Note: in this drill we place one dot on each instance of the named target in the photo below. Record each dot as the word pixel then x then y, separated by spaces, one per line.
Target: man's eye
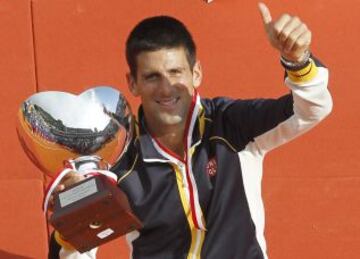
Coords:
pixel 175 72
pixel 151 77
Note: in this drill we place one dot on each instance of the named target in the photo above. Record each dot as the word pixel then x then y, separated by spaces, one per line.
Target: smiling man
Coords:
pixel 166 82
pixel 193 172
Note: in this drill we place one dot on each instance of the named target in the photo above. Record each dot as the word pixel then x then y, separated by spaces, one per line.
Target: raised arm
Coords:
pixel 305 76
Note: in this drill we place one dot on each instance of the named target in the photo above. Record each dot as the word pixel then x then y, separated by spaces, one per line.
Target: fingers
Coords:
pixel 51 204
pixel 301 45
pixel 298 38
pixel 71 178
pixel 265 13
pixel 285 26
pixel 60 187
pixel 293 36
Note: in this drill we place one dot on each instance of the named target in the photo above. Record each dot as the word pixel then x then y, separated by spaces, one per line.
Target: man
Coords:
pixel 193 172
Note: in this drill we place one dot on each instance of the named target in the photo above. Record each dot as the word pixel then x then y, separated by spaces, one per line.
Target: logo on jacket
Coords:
pixel 211 167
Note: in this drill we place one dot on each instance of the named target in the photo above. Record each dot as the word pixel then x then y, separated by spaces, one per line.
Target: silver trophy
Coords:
pixel 86 134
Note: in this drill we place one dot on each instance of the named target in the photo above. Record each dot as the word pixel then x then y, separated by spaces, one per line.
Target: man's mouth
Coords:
pixel 168 101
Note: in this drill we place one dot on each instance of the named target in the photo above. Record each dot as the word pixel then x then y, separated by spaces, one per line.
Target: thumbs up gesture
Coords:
pixel 288 34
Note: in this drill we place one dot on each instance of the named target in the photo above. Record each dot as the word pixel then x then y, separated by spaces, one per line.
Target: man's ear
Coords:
pixel 132 84
pixel 197 74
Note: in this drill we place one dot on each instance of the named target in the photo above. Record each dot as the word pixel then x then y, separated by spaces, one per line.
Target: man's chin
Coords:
pixel 170 120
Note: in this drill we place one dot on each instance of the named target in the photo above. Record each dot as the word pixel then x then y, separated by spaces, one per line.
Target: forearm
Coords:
pixel 312 100
pixel 311 103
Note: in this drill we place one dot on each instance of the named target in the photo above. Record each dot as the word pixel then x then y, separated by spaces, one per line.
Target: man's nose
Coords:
pixel 166 85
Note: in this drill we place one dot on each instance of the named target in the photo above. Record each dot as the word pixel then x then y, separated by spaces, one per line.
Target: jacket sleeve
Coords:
pixel 60 249
pixel 268 123
pixel 312 102
pixel 67 254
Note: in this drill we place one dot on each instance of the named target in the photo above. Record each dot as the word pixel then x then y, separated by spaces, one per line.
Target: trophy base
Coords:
pixel 92 212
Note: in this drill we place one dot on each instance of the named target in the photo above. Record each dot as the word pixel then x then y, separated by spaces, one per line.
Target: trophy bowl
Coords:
pixel 87 133
pixel 58 127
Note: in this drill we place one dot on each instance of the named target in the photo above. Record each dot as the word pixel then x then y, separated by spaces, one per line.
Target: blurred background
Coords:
pixel 311 186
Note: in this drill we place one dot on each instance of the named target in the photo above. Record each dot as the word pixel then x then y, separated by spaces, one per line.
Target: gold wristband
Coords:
pixel 305 74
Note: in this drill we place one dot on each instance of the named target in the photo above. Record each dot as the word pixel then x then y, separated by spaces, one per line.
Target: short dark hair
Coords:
pixel 156 33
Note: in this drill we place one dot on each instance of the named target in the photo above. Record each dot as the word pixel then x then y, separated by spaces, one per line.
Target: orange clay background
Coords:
pixel 311 186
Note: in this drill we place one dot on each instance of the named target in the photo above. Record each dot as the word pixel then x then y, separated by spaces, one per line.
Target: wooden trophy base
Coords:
pixel 92 212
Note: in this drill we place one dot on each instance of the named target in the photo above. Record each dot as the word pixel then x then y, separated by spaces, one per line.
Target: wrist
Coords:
pixel 303 75
pixel 296 65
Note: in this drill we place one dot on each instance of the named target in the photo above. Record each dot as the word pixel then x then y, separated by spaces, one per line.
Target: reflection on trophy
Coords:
pixel 88 133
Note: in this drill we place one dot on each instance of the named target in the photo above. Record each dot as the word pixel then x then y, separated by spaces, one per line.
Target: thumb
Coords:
pixel 60 187
pixel 265 13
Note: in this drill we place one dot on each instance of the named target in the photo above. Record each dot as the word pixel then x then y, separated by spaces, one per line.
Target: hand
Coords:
pixel 288 34
pixel 70 179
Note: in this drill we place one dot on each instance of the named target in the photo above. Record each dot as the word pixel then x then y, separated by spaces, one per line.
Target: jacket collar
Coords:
pixel 151 149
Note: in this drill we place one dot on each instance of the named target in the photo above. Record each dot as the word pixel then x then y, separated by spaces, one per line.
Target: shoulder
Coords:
pixel 227 108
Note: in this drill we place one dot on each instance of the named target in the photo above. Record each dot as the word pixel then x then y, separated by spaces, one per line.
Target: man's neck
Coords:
pixel 171 137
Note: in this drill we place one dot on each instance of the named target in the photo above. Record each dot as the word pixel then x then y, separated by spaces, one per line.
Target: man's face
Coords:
pixel 165 82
